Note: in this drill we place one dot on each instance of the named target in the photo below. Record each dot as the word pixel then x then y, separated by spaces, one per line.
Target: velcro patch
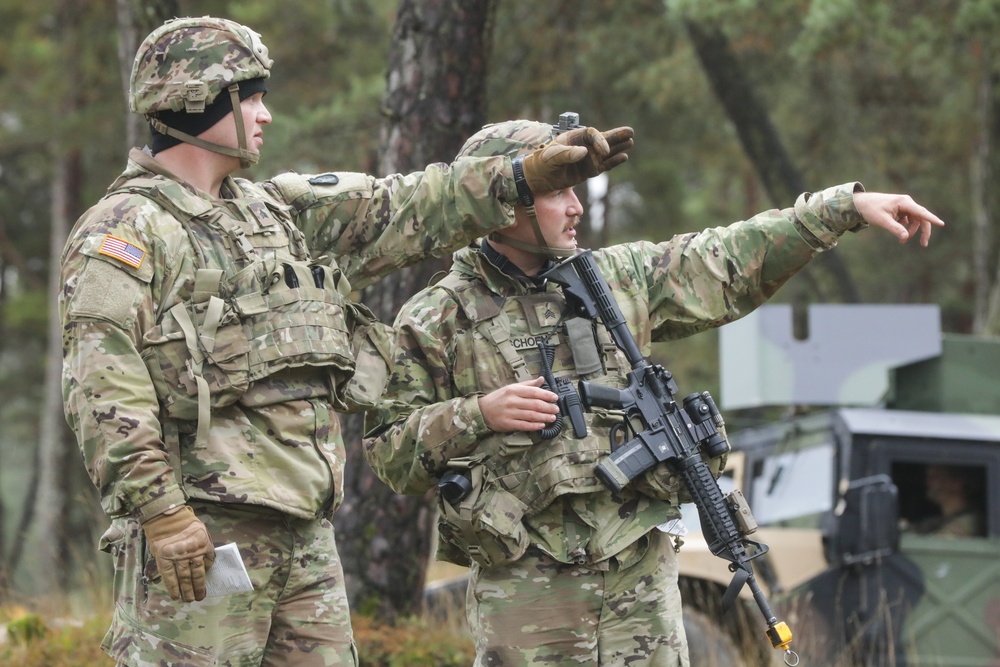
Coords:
pixel 122 250
pixel 532 342
pixel 106 291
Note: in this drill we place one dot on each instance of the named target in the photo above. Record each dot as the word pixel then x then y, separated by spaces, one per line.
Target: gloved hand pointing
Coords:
pixel 574 156
pixel 183 550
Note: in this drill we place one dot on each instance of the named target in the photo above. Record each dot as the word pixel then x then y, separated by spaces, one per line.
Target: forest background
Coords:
pixel 738 105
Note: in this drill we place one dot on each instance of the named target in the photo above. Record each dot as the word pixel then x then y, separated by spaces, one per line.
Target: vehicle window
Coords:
pixel 792 488
pixel 941 499
pixel 793 485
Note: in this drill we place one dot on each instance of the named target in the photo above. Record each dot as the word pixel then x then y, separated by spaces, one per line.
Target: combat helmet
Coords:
pixel 183 67
pixel 516 138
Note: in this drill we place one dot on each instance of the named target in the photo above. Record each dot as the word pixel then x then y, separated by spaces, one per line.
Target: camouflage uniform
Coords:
pixel 563 570
pixel 207 344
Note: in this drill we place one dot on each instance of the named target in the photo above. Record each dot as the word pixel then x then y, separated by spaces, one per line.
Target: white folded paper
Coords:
pixel 227 575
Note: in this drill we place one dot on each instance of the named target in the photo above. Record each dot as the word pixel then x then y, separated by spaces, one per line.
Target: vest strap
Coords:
pixel 213 318
pixel 499 335
pixel 194 364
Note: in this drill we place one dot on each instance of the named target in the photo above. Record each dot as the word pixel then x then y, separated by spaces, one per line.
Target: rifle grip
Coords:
pixel 601 396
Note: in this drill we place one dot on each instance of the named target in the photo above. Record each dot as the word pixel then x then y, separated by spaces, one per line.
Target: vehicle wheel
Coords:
pixel 708 644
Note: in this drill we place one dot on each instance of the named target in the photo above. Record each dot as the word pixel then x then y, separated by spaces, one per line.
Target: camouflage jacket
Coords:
pixel 131 263
pixel 693 282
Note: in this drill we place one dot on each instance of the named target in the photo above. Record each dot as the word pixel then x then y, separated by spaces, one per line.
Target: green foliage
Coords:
pixel 327 82
pixel 61 644
pixel 979 17
pixel 410 643
pixel 858 90
pixel 26 313
pixel 871 90
pixel 26 629
pixel 68 646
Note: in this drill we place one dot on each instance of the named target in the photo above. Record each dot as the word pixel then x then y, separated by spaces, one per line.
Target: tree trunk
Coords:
pixel 136 19
pixel 48 532
pixel 985 167
pixel 50 528
pixel 435 99
pixel 760 140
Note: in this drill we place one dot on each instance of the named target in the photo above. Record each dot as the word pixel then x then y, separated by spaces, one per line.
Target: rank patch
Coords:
pixel 547 314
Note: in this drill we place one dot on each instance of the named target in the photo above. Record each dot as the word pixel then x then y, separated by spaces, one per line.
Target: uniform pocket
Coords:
pixel 485 527
pixel 204 340
pixel 371 342
pixel 130 644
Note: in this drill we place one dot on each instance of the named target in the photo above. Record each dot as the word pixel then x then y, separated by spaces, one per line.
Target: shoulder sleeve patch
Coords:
pixel 107 293
pixel 118 251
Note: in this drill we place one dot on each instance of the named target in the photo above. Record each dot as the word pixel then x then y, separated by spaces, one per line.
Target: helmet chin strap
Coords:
pixel 542 248
pixel 246 157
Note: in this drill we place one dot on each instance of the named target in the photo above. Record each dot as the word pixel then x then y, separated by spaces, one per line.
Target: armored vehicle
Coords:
pixel 871 560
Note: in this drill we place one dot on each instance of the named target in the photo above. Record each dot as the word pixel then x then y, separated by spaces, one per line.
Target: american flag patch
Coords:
pixel 112 246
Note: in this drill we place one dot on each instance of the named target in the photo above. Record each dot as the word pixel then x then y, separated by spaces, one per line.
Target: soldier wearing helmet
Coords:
pixel 562 569
pixel 210 341
pixel 188 75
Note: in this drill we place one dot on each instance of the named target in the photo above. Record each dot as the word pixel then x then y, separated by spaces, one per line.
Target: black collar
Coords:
pixel 499 260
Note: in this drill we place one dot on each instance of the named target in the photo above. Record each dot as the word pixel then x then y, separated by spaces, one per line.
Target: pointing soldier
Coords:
pixel 209 340
pixel 564 571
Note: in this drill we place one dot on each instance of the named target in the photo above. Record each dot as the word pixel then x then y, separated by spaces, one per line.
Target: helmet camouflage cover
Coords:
pixel 513 138
pixel 186 63
pixel 510 138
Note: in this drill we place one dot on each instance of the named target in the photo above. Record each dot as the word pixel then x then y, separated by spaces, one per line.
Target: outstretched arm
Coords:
pixel 897 214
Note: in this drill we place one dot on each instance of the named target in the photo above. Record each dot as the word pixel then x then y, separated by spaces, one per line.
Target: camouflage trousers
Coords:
pixel 296 615
pixel 540 612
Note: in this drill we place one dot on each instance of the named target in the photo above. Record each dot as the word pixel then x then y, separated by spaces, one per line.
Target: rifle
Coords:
pixel 671 434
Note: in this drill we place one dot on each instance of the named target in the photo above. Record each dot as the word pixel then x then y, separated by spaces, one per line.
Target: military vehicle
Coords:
pixel 846 496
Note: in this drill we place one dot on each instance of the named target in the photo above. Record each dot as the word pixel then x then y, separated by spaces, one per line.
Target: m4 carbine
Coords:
pixel 674 435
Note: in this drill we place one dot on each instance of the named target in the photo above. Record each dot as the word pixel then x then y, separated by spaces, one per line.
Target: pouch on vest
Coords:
pixel 198 351
pixel 371 347
pixel 485 526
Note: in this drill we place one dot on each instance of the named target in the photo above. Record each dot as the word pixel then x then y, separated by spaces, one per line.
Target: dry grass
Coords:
pixel 31 641
pixel 29 638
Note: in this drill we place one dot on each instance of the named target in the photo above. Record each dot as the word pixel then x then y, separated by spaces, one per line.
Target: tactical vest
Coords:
pixel 514 476
pixel 536 476
pixel 260 304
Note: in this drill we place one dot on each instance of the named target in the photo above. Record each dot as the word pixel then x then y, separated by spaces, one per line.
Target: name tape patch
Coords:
pixel 122 250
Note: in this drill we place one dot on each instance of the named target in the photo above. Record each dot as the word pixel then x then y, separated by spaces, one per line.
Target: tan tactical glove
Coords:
pixel 182 548
pixel 574 156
